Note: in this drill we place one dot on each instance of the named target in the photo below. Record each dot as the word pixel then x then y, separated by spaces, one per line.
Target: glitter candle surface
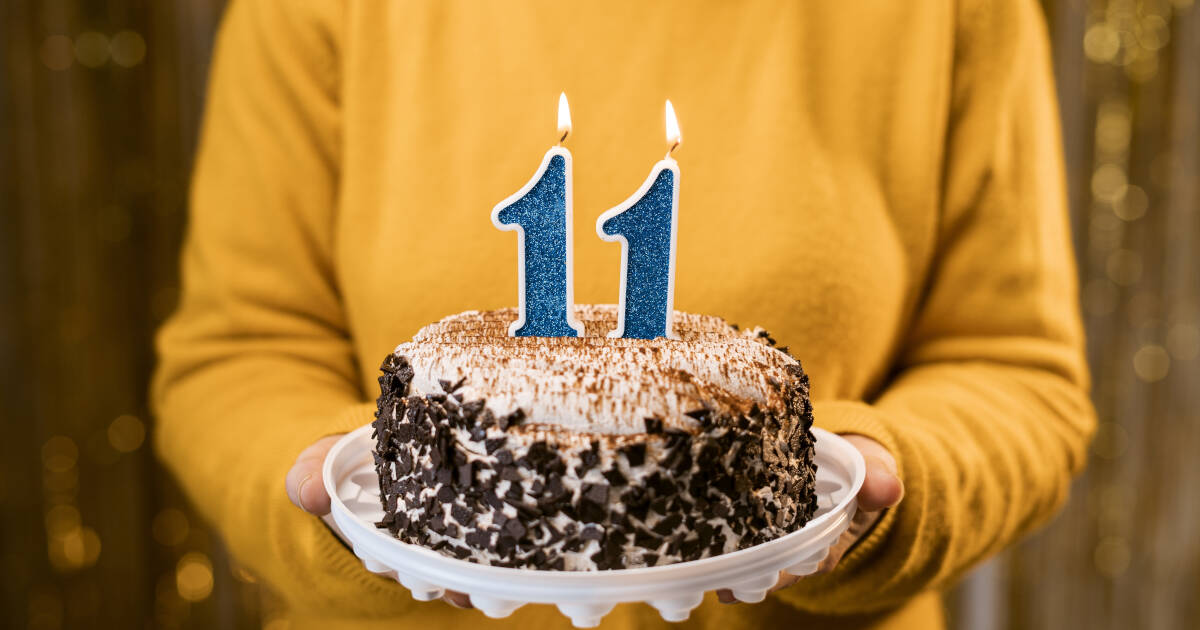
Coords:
pixel 541 215
pixel 645 225
pixel 646 230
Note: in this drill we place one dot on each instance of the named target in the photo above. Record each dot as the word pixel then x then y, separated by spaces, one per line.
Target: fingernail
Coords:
pixel 300 492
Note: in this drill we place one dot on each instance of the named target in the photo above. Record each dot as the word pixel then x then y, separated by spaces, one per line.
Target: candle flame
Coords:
pixel 674 137
pixel 564 118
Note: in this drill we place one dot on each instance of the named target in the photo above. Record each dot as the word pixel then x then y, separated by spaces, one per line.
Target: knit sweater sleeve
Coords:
pixel 988 411
pixel 257 362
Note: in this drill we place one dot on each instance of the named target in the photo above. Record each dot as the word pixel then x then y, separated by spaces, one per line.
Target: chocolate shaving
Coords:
pixel 635 454
pixel 614 477
pixel 511 420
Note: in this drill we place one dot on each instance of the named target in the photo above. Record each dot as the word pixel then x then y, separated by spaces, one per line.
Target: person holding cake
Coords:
pixel 881 189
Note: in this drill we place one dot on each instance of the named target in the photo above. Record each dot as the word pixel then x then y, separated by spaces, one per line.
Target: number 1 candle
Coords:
pixel 540 213
pixel 645 225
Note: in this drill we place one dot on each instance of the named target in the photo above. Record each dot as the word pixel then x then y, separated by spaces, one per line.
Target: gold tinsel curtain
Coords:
pixel 100 103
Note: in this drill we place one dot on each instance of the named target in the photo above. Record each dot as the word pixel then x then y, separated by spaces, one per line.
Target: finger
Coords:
pixel 312 494
pixel 457 600
pixel 306 487
pixel 881 488
pixel 725 596
pixel 291 482
pixel 304 483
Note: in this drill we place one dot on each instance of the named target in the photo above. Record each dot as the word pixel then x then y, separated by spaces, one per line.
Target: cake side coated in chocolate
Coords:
pixel 513 490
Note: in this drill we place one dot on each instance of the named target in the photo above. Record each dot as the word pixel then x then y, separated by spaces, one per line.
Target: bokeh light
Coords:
pixel 1151 363
pixel 1101 43
pixel 1132 205
pixel 1108 503
pixel 91 49
pixel 1113 122
pixel 1142 68
pixel 1112 556
pixel 1124 267
pixel 78 548
pixel 57 52
pixel 169 607
pixel 62 519
pixel 59 454
pixel 1109 182
pixel 128 49
pixel 1183 341
pixel 194 576
pixel 61 483
pixel 126 433
pixel 170 527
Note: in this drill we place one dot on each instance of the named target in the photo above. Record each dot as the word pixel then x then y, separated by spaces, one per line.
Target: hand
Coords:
pixel 306 488
pixel 881 489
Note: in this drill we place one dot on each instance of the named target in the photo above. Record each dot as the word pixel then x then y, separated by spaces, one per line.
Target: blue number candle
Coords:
pixel 540 213
pixel 645 225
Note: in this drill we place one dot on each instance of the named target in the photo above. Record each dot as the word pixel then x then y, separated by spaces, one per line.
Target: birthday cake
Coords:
pixel 590 453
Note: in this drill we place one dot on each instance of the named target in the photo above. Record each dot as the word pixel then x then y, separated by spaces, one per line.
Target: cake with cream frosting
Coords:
pixel 592 453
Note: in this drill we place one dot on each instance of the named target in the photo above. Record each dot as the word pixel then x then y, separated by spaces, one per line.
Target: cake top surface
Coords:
pixel 595 384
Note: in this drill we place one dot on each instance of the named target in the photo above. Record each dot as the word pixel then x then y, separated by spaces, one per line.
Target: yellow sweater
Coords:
pixel 877 183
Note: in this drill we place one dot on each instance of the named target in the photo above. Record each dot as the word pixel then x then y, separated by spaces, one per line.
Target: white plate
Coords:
pixel 586 597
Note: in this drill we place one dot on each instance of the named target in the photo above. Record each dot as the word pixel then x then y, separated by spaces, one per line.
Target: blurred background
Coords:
pixel 100 103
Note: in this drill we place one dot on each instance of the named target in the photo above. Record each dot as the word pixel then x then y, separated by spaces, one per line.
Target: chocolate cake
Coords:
pixel 592 453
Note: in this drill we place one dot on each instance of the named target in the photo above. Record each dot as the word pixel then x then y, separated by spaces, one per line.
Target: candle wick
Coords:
pixel 674 146
pixel 564 137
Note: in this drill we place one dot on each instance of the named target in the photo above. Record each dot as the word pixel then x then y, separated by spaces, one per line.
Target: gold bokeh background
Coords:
pixel 100 103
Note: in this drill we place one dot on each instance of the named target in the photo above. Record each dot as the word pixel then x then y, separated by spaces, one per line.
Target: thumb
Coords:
pixel 882 487
pixel 304 484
